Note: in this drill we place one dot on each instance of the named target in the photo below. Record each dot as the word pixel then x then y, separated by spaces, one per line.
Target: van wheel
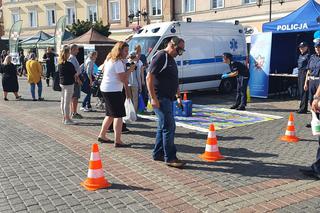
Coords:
pixel 226 86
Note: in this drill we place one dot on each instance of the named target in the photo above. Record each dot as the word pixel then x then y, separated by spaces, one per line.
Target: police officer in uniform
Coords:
pixel 313 74
pixel 314 97
pixel 302 67
pixel 241 71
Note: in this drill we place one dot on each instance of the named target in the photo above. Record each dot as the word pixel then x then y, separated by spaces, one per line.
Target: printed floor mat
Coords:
pixel 204 115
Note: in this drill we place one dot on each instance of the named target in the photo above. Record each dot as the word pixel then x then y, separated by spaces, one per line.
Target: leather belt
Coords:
pixel 313 78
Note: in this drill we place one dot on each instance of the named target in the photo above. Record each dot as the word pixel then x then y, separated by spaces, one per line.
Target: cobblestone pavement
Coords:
pixel 42 163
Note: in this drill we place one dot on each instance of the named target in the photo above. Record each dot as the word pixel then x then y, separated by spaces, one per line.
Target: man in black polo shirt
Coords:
pixel 163 86
pixel 241 71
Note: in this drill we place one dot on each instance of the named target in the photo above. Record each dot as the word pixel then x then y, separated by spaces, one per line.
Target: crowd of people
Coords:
pixel 124 77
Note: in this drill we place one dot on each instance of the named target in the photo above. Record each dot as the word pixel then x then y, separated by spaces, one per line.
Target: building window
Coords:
pixel 92 13
pixel 51 16
pixel 71 15
pixel 249 1
pixel 156 7
pixel 133 6
pixel 32 15
pixel 217 4
pixel 189 6
pixel 15 17
pixel 114 10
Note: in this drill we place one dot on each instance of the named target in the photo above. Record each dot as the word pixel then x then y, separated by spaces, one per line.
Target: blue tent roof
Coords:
pixel 303 19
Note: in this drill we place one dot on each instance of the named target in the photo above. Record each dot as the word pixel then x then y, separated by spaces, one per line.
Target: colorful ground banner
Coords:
pixel 260 55
pixel 14 35
pixel 59 32
pixel 204 115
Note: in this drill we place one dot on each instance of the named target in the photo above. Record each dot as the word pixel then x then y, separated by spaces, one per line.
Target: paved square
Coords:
pixel 42 163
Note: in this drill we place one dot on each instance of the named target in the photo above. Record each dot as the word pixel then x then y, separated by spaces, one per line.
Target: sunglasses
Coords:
pixel 180 50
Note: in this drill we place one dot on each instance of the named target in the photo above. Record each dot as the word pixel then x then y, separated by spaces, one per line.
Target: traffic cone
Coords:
pixel 185 96
pixel 248 95
pixel 95 179
pixel 212 151
pixel 290 135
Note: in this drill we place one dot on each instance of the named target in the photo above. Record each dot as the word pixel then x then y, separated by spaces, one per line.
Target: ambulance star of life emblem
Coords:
pixel 259 62
pixel 233 44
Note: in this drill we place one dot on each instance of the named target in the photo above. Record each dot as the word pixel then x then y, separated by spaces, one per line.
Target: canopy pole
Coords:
pixel 270 8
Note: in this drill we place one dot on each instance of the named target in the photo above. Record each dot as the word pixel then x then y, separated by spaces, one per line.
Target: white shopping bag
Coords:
pixel 315 124
pixel 131 115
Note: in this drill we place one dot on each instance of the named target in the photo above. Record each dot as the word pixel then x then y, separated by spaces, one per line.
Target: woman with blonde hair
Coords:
pixel 115 78
pixel 67 75
pixel 9 78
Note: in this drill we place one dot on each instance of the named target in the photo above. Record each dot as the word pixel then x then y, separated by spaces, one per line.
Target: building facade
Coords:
pixel 44 14
pixel 125 16
pixel 1 20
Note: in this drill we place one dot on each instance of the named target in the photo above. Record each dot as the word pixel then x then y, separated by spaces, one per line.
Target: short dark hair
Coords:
pixel 228 56
pixel 175 40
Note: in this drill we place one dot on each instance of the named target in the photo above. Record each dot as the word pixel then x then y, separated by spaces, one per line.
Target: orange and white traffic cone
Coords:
pixel 95 179
pixel 185 96
pixel 212 151
pixel 290 135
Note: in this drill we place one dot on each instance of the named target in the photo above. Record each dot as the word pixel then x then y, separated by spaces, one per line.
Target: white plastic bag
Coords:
pixel 131 115
pixel 315 124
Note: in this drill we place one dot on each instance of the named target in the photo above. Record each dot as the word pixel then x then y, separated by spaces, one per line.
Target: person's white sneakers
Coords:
pixel 82 108
pixel 69 122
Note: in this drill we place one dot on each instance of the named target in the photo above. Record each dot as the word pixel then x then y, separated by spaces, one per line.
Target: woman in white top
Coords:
pixel 115 78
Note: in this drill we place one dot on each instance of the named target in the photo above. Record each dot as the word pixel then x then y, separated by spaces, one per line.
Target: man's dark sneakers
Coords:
pixel 310 173
pixel 241 108
pixel 160 158
pixel 302 111
pixel 308 125
pixel 176 163
pixel 234 106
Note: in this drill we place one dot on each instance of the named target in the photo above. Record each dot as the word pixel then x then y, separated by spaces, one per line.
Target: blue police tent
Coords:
pixel 288 32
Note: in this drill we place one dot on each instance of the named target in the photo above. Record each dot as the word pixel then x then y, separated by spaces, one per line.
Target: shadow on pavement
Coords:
pixel 87 124
pixel 252 168
pixel 232 152
pixel 128 187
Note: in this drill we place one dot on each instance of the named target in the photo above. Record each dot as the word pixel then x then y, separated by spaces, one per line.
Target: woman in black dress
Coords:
pixel 9 78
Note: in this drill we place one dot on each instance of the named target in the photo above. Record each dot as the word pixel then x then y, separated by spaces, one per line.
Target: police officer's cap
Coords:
pixel 317 44
pixel 303 44
pixel 228 55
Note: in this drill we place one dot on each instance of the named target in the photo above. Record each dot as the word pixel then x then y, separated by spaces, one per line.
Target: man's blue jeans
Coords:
pixel 165 146
pixel 33 87
pixel 87 101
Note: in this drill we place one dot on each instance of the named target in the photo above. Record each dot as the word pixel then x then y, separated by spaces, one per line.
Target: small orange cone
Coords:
pixel 185 96
pixel 290 135
pixel 212 151
pixel 95 179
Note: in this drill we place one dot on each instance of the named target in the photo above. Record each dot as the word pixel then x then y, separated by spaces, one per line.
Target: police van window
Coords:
pixel 164 43
pixel 146 43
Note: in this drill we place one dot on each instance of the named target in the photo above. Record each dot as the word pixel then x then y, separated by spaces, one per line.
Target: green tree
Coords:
pixel 81 27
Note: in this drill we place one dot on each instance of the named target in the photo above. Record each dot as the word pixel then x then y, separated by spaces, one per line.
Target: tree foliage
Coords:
pixel 81 27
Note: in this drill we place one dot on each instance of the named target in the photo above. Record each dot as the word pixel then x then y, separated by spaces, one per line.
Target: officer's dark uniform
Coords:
pixel 314 67
pixel 302 67
pixel 242 83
